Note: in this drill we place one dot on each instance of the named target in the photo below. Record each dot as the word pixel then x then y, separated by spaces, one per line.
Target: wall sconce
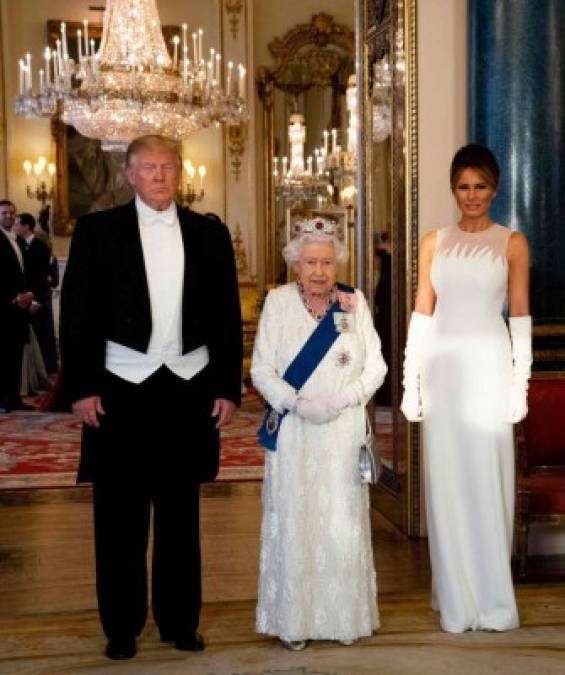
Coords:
pixel 189 192
pixel 40 192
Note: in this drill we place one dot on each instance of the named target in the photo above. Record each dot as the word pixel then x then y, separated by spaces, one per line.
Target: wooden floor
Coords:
pixel 48 621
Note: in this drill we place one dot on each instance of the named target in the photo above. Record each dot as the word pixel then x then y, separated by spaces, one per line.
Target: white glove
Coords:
pixel 418 330
pixel 317 410
pixel 521 334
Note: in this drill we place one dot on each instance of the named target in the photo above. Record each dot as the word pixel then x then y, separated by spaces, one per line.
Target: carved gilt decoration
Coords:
pixel 236 137
pixel 233 8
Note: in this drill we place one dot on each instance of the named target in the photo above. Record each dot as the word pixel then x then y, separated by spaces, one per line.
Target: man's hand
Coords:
pixel 88 409
pixel 223 410
pixel 23 300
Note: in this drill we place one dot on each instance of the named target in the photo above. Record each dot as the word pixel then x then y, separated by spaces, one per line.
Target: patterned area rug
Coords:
pixel 39 450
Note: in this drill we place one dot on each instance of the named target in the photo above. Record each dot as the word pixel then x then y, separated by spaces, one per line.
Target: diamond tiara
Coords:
pixel 315 226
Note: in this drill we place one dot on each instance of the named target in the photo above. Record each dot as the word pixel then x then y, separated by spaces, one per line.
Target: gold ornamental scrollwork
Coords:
pixel 233 8
pixel 236 137
pixel 239 252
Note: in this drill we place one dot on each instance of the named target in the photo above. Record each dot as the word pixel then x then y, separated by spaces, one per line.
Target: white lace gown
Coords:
pixel 468 444
pixel 317 578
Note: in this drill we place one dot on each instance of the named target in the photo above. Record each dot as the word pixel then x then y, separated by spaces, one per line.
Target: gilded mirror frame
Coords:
pixel 321 32
pixel 391 24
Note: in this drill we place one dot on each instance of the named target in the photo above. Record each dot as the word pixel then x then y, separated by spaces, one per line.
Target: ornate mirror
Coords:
pixel 390 234
pixel 304 88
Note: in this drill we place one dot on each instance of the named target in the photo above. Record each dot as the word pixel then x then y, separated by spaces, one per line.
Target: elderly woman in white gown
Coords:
pixel 317 578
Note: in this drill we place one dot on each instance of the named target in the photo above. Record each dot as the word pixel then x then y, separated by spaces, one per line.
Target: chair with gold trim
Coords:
pixel 540 495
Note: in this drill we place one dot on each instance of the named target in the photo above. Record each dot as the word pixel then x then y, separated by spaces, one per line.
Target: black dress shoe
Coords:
pixel 190 643
pixel 121 649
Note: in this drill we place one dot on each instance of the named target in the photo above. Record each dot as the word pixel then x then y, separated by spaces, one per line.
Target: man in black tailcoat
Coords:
pixel 151 352
pixel 15 301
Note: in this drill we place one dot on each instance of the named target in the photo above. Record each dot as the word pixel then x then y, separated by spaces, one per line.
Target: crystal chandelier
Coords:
pixel 381 100
pixel 299 181
pixel 131 86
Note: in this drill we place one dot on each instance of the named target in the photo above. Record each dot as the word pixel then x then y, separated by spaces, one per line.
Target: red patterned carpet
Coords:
pixel 42 449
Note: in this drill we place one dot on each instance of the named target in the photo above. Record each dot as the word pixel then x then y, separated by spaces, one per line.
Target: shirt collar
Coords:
pixel 149 216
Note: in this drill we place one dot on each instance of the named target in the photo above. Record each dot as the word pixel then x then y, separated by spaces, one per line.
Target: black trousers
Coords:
pixel 146 458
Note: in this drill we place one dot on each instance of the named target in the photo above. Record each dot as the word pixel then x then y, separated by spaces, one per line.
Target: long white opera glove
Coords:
pixel 418 330
pixel 317 410
pixel 521 334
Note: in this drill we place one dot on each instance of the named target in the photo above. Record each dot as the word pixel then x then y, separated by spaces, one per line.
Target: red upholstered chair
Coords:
pixel 541 464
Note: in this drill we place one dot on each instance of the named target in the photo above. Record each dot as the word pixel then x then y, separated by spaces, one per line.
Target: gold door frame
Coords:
pixel 398 493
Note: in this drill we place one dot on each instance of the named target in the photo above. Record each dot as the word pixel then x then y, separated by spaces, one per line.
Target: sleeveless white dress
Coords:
pixel 317 580
pixel 468 444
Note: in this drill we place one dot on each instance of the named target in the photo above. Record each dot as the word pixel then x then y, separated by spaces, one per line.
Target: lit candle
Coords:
pixel 27 167
pixel 184 38
pixel 59 53
pixel 92 47
pixel 29 79
pixel 309 164
pixel 275 167
pixel 191 171
pixel 326 141
pixel 316 159
pixel 51 169
pixel 47 59
pixel 228 79
pixel 241 82
pixel 85 24
pixel 284 165
pixel 195 49
pixel 79 45
pixel 200 34
pixel 22 76
pixel 334 139
pixel 64 40
pixel 176 41
pixel 202 174
pixel 218 67
pixel 41 80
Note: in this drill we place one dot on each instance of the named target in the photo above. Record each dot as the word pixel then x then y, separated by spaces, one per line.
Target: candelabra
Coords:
pixel 41 192
pixel 189 192
pixel 131 86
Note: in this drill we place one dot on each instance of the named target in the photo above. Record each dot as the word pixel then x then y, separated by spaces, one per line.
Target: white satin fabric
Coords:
pixel 317 579
pixel 468 443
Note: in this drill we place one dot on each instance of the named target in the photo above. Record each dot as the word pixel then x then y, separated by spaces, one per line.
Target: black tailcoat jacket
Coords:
pixel 105 297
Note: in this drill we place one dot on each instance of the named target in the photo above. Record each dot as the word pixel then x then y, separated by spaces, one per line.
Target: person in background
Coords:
pixel 37 260
pixel 15 301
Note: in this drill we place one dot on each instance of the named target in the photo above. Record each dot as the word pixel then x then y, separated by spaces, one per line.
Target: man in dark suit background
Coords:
pixel 151 352
pixel 15 301
pixel 37 262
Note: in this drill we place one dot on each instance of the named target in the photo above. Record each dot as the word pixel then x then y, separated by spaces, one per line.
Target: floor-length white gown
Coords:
pixel 317 579
pixel 468 443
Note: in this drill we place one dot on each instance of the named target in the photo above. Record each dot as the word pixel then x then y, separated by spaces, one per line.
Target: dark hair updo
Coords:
pixel 27 219
pixel 478 157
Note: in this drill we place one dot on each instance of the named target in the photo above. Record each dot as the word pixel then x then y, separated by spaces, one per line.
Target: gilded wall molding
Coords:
pixel 234 8
pixel 236 137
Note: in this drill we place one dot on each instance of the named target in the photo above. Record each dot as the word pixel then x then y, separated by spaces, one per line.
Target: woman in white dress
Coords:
pixel 467 380
pixel 317 578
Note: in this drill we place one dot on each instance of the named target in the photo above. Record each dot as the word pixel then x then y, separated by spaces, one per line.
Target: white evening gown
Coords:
pixel 317 578
pixel 468 444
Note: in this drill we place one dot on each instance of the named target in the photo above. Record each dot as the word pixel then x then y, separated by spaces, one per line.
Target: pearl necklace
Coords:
pixel 306 301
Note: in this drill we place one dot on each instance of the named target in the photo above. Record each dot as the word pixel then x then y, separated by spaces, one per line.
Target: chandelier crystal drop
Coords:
pixel 131 86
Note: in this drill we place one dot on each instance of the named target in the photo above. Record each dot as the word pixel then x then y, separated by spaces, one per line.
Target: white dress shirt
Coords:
pixel 14 242
pixel 163 253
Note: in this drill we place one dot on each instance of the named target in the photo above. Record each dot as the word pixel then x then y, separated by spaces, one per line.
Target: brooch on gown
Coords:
pixel 272 422
pixel 343 358
pixel 344 322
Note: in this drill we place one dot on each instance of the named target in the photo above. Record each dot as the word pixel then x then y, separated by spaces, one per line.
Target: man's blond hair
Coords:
pixel 153 142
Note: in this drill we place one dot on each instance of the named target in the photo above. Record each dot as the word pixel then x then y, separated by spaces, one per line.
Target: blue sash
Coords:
pixel 298 372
